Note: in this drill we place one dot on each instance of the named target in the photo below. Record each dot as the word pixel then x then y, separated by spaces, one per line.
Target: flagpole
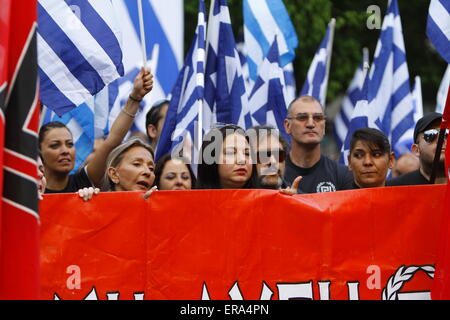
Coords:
pixel 332 25
pixel 141 28
pixel 443 128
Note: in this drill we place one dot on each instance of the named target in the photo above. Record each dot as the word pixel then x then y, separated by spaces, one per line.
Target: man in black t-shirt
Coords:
pixel 305 123
pixel 426 135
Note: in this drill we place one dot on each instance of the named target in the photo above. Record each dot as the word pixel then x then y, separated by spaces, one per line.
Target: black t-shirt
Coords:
pixel 408 179
pixel 76 182
pixel 325 176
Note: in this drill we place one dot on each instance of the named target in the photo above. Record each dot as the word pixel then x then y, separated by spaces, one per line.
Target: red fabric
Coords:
pixel 19 251
pixel 441 286
pixel 177 242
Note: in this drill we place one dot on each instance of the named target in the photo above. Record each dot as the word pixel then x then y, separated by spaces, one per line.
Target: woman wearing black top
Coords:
pixel 225 160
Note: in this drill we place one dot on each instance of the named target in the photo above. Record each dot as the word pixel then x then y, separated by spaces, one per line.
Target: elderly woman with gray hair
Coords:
pixel 129 167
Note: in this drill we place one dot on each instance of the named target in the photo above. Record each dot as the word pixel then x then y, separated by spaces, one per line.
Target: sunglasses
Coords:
pixel 430 135
pixel 264 156
pixel 317 117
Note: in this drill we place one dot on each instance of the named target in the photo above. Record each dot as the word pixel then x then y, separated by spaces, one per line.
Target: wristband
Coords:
pixel 134 99
pixel 128 114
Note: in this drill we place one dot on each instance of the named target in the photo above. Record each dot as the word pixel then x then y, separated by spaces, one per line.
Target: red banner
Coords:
pixel 241 244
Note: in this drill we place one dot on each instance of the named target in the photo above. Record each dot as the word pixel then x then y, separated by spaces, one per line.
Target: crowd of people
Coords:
pixel 233 158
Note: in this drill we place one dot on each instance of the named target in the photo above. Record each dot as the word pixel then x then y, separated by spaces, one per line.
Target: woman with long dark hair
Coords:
pixel 225 160
pixel 174 174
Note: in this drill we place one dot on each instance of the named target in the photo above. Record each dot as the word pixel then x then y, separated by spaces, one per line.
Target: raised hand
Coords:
pixel 143 84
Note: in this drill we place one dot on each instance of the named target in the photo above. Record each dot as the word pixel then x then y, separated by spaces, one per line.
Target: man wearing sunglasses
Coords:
pixel 270 149
pixel 305 123
pixel 426 135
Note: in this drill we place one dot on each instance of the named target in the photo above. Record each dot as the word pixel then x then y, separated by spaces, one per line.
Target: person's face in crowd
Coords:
pixel 58 151
pixel 155 131
pixel 426 145
pixel 160 124
pixel 405 164
pixel 271 161
pixel 235 167
pixel 369 165
pixel 307 122
pixel 175 176
pixel 135 172
pixel 42 182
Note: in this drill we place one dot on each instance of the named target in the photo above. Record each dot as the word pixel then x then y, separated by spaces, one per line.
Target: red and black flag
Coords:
pixel 19 121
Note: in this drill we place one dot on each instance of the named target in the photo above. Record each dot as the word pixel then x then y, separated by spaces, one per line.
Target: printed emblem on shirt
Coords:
pixel 326 187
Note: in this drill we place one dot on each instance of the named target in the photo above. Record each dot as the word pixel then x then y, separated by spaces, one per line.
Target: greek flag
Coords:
pixel 359 119
pixel 267 100
pixel 438 27
pixel 317 79
pixel 78 51
pixel 164 36
pixel 226 98
pixel 263 20
pixel 185 108
pixel 344 116
pixel 407 140
pixel 443 90
pixel 389 89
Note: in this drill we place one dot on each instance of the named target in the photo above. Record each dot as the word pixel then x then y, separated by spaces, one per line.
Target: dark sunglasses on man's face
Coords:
pixel 265 155
pixel 430 135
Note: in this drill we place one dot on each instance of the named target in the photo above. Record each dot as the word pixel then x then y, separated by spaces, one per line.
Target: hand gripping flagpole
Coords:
pixel 142 31
pixel 444 125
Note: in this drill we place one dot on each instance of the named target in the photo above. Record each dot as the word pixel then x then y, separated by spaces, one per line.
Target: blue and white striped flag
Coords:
pixel 443 90
pixel 263 20
pixel 78 51
pixel 438 27
pixel 407 140
pixel 185 108
pixel 317 79
pixel 344 116
pixel 359 119
pixel 389 88
pixel 267 101
pixel 226 98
